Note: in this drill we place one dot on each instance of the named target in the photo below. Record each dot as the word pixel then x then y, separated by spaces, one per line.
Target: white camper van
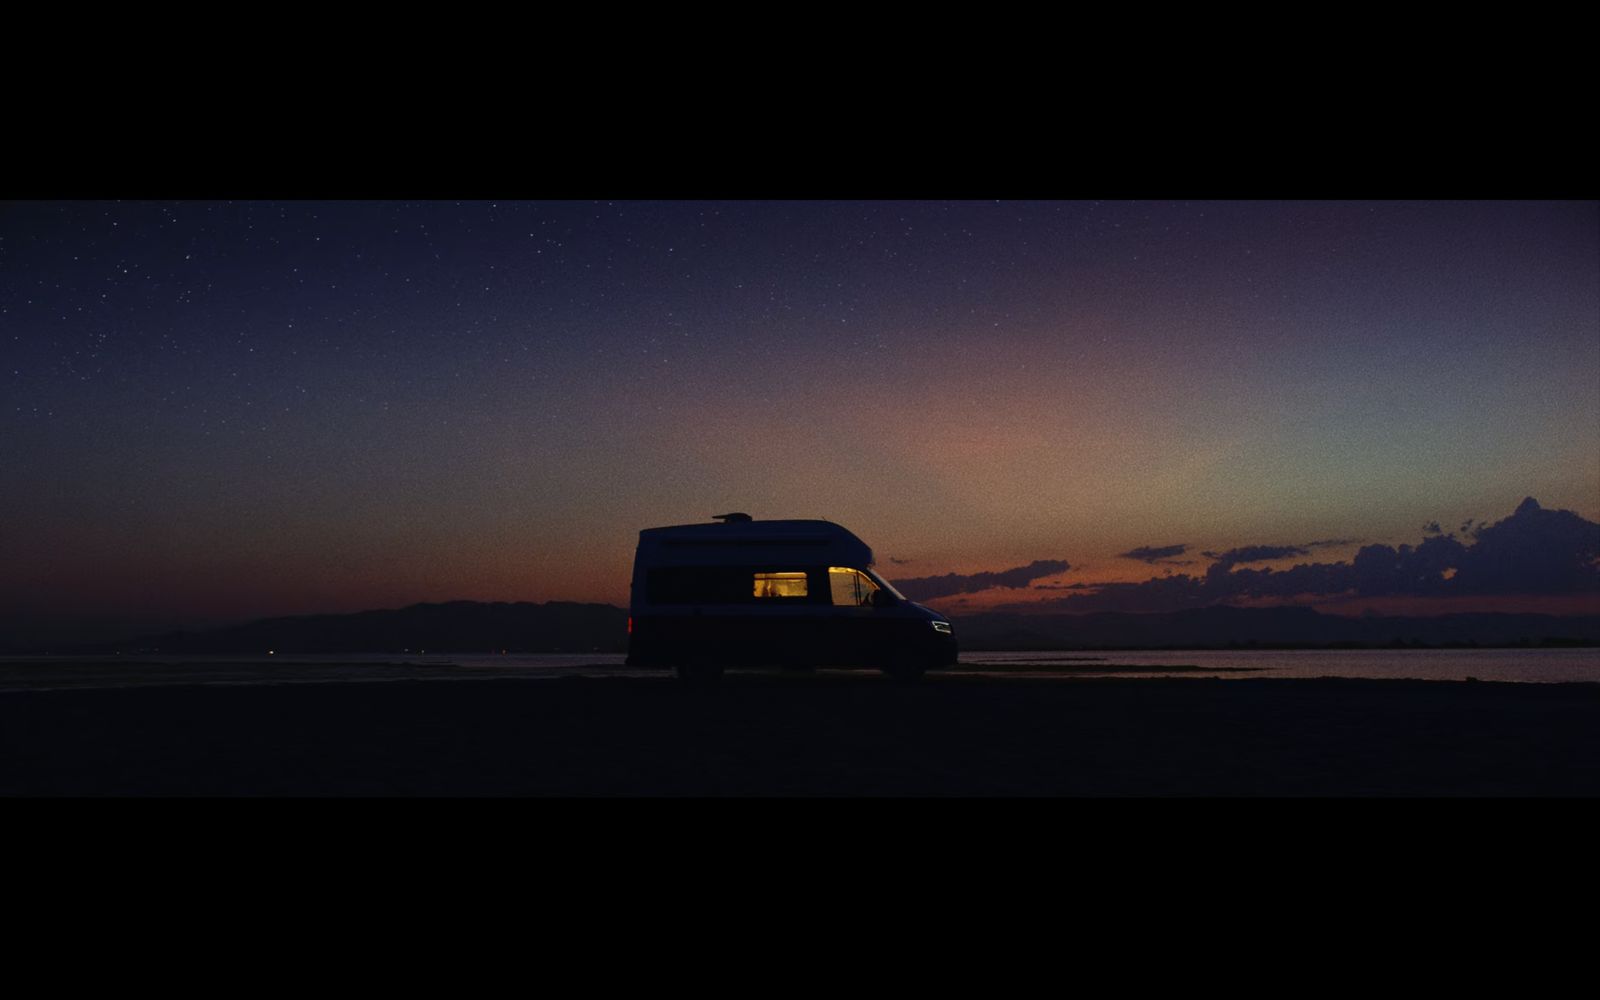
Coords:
pixel 797 594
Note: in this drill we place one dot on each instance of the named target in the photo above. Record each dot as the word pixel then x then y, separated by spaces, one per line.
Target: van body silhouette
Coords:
pixel 793 594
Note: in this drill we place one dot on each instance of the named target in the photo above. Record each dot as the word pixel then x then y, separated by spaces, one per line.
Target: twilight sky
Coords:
pixel 221 411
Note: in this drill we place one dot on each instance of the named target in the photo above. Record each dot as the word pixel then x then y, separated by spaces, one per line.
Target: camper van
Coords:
pixel 797 594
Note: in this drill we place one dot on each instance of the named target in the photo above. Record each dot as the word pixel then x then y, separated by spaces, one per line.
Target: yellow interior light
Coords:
pixel 780 585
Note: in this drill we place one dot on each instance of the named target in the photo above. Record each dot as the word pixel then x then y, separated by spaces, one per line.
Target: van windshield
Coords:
pixel 885 584
pixel 854 587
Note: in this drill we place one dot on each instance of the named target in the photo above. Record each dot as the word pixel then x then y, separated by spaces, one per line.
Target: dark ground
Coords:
pixel 828 735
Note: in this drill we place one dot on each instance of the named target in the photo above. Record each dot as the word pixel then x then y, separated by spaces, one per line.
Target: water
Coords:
pixel 1538 666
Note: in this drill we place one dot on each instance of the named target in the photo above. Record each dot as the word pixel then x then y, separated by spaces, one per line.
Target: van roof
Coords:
pixel 764 541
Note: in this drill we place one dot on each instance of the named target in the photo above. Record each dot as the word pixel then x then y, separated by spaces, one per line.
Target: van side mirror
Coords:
pixel 882 599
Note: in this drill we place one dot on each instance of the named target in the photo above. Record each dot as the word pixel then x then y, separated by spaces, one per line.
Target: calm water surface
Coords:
pixel 1547 666
pixel 1526 666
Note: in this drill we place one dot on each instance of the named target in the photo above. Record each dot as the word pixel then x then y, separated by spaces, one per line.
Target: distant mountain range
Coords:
pixel 451 627
pixel 565 627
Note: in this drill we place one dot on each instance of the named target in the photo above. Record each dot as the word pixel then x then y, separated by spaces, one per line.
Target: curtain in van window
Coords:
pixel 780 584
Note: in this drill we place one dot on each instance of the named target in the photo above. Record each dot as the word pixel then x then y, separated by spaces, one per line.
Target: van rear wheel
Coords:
pixel 699 673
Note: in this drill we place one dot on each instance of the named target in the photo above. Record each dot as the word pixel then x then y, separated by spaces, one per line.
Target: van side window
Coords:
pixel 780 585
pixel 725 585
pixel 851 588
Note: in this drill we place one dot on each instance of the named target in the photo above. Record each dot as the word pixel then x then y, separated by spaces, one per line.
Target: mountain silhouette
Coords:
pixel 451 627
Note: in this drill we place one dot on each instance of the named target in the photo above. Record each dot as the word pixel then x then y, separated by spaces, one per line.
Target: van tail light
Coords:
pixel 630 624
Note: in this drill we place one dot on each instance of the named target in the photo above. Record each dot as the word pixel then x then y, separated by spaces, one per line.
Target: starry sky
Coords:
pixel 217 411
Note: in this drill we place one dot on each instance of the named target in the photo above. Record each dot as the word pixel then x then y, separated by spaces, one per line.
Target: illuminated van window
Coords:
pixel 780 585
pixel 851 588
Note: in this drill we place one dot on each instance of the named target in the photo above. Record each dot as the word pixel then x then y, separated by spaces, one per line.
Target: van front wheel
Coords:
pixel 699 674
pixel 905 669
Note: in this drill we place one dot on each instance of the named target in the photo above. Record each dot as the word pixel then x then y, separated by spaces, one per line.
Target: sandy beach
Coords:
pixel 803 735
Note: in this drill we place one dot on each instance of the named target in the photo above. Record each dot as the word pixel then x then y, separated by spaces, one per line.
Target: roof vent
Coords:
pixel 735 518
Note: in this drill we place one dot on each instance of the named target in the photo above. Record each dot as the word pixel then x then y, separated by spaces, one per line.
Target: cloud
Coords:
pixel 928 587
pixel 1162 593
pixel 1267 553
pixel 1534 551
pixel 1256 553
pixel 901 562
pixel 1153 555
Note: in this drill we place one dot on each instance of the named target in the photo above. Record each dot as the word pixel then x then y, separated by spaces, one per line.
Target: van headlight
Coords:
pixel 942 627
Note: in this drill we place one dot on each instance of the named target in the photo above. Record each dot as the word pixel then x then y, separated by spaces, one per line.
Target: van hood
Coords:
pixel 929 611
